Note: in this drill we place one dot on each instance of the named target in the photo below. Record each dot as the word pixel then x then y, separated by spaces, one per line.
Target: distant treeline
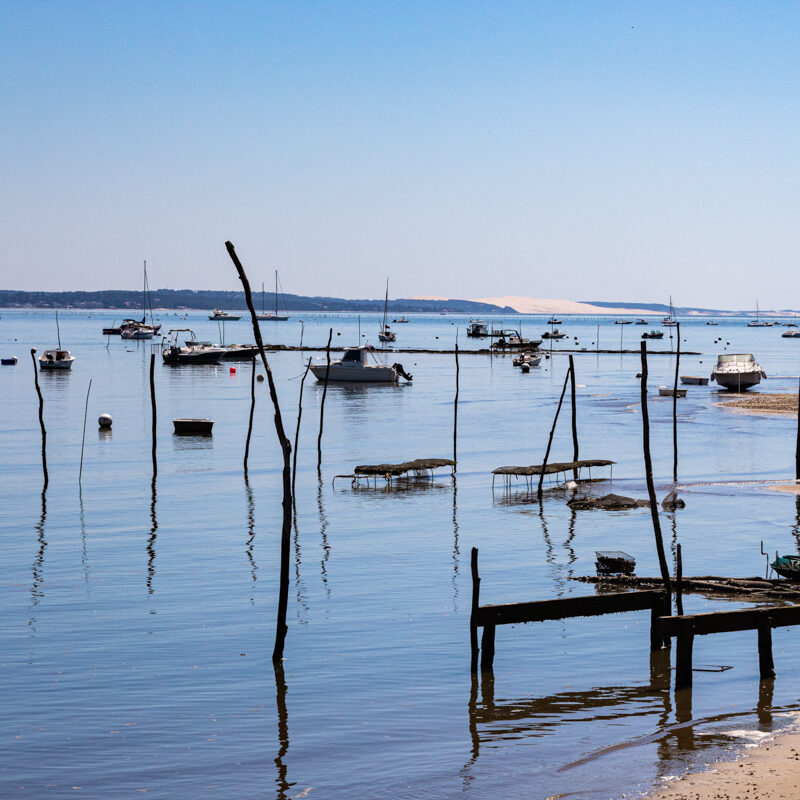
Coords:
pixel 232 301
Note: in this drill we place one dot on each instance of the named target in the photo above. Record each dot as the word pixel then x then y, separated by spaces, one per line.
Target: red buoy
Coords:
pixel 233 370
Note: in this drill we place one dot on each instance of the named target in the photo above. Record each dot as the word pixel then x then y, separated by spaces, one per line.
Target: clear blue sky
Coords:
pixel 617 150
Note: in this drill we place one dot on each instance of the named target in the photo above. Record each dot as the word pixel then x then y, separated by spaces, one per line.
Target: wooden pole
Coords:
pixel 41 419
pixel 679 583
pixel 83 438
pixel 252 411
pixel 286 448
pixel 765 662
pixel 473 619
pixel 455 411
pixel 153 409
pixel 648 468
pixel 797 447
pixel 552 431
pixel 683 658
pixel 297 430
pixel 322 404
pixel 574 416
pixel 675 409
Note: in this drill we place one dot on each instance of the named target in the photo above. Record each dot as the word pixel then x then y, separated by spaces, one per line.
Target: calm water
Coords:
pixel 138 620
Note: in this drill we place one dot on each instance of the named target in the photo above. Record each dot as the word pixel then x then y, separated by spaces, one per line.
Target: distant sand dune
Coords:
pixel 542 305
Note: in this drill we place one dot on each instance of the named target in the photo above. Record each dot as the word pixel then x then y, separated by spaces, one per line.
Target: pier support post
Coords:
pixel 657 638
pixel 153 409
pixel 455 413
pixel 487 647
pixel 679 582
pixel 322 403
pixel 675 411
pixel 574 416
pixel 252 411
pixel 41 419
pixel 765 662
pixel 683 657
pixel 473 619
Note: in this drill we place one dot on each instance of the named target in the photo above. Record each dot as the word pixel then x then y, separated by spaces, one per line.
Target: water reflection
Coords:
pixel 38 562
pixel 84 557
pixel 326 548
pixel 251 533
pixel 183 443
pixel 456 552
pixel 151 539
pixel 300 588
pixel 282 783
pixel 796 526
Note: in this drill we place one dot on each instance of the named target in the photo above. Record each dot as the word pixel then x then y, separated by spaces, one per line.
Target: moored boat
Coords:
pixel 737 371
pixel 554 334
pixel 192 352
pixel 9 361
pixel 385 334
pixel 354 367
pixel 224 316
pixel 265 315
pixel 669 391
pixel 787 567
pixel 56 359
pixel 476 328
pixel 653 335
pixel 623 322
pixel 693 380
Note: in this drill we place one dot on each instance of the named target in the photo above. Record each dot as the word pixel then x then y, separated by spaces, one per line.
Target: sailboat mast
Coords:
pixel 276 293
pixel 385 303
pixel 58 330
pixel 262 297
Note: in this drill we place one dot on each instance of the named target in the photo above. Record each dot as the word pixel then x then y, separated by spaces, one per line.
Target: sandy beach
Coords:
pixel 770 771
pixel 762 404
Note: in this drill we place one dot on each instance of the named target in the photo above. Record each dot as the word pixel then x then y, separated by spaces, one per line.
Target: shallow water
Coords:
pixel 138 619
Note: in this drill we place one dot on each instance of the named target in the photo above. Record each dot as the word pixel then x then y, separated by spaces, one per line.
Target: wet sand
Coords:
pixel 762 404
pixel 770 771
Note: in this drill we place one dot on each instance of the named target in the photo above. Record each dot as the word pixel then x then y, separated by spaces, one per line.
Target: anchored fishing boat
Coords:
pixel 476 328
pixel 554 334
pixel 354 367
pixel 223 316
pixel 653 335
pixel 737 371
pixel 192 352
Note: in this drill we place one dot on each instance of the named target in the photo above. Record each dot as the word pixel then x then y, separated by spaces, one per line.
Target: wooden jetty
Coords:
pixel 553 468
pixel 489 617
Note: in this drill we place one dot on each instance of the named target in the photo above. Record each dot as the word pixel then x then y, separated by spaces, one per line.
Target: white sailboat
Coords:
pixel 133 329
pixel 670 321
pixel 385 334
pixel 266 315
pixel 757 323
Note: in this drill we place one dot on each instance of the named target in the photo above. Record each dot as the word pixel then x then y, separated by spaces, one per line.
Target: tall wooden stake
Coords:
pixel 473 620
pixel 83 438
pixel 455 413
pixel 153 409
pixel 286 448
pixel 41 419
pixel 252 411
pixel 552 431
pixel 297 430
pixel 675 408
pixel 797 447
pixel 648 468
pixel 575 452
pixel 322 404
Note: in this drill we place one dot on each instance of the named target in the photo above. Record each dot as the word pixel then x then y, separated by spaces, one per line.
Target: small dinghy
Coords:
pixel 614 562
pixel 8 362
pixel 193 427
pixel 694 380
pixel 668 391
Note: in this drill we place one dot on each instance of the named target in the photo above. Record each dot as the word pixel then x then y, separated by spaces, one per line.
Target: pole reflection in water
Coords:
pixel 796 526
pixel 571 558
pixel 38 563
pixel 766 689
pixel 282 784
pixel 84 557
pixel 326 549
pixel 456 552
pixel 300 588
pixel 151 539
pixel 251 533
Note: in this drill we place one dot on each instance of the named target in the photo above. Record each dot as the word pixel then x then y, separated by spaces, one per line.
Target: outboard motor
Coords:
pixel 401 371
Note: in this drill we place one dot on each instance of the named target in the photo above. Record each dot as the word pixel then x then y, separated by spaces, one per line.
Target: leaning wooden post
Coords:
pixel 455 412
pixel 473 619
pixel 41 419
pixel 648 468
pixel 797 447
pixel 487 647
pixel 550 440
pixel 286 448
pixel 153 409
pixel 297 430
pixel 679 582
pixel 83 438
pixel 252 411
pixel 575 452
pixel 675 409
pixel 322 404
pixel 765 662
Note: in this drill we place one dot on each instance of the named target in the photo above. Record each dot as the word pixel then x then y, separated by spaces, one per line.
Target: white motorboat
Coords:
pixel 737 371
pixel 554 334
pixel 641 321
pixel 508 338
pixel 712 322
pixel 694 380
pixel 623 322
pixel 527 359
pixel 265 315
pixel 56 359
pixel 216 314
pixel 354 367
pixel 554 321
pixel 653 335
pixel 385 334
pixel 400 320
pixel 138 331
pixel 477 328
pixel 193 352
pixel 792 333
pixel 669 391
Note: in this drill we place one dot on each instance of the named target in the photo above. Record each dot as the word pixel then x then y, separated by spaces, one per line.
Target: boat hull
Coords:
pixel 692 380
pixel 55 365
pixel 357 374
pixel 738 381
